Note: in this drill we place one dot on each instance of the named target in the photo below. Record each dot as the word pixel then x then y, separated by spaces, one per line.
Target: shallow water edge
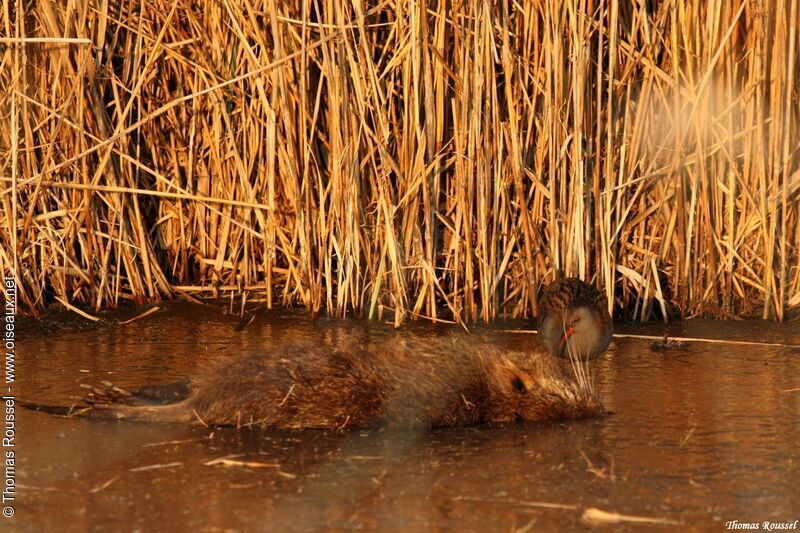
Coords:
pixel 699 436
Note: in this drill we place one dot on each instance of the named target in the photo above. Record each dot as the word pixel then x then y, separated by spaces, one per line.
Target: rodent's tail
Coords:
pixel 176 412
pixel 107 401
pixel 60 410
pixel 106 393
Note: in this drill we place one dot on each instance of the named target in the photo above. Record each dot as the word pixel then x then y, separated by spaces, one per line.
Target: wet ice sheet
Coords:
pixel 700 436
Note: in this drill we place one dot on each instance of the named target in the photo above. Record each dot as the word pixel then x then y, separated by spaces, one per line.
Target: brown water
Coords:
pixel 698 436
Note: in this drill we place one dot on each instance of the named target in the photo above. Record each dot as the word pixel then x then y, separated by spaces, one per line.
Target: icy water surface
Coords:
pixel 698 436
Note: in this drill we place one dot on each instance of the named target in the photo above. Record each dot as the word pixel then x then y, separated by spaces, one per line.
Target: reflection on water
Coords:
pixel 701 436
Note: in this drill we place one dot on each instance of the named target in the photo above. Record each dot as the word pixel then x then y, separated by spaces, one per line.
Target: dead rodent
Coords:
pixel 402 380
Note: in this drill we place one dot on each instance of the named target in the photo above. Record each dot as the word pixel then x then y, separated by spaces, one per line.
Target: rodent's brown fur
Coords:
pixel 401 381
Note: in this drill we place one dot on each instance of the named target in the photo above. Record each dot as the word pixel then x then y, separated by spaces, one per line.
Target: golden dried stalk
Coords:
pixel 403 155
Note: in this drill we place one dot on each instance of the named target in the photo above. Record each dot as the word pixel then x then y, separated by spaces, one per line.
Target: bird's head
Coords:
pixel 582 331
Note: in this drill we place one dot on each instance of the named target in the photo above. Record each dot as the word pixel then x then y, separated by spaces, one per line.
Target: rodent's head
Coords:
pixel 543 392
pixel 581 331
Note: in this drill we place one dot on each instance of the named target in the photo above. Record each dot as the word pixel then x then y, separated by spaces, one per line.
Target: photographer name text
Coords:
pixel 762 526
pixel 8 401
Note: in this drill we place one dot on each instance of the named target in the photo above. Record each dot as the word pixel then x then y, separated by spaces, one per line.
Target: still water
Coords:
pixel 697 437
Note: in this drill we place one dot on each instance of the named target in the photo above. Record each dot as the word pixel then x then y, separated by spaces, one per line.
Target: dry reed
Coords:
pixel 405 155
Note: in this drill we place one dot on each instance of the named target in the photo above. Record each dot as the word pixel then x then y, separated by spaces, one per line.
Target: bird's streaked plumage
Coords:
pixel 574 319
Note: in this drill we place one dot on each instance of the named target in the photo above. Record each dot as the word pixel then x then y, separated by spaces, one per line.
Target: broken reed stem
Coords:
pixel 404 156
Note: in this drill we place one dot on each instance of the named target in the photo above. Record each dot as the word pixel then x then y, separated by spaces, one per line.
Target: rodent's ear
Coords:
pixel 518 380
pixel 518 384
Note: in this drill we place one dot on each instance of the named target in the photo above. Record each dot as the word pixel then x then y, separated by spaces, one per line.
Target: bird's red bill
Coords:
pixel 567 334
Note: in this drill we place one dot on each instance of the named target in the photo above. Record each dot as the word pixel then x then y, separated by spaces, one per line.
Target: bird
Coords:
pixel 574 319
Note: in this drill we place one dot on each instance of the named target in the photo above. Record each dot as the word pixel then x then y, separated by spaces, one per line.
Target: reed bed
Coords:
pixel 434 159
